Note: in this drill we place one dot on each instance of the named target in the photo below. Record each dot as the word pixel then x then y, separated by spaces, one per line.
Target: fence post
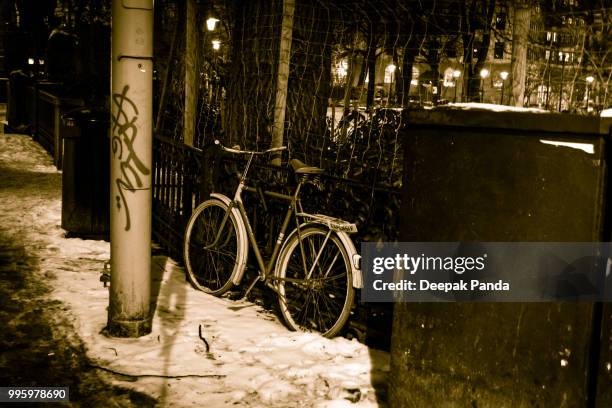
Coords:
pixel 131 164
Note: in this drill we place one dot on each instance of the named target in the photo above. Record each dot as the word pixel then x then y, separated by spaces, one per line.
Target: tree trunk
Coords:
pixel 191 77
pixel 405 78
pixel 350 75
pixel 371 67
pixel 166 74
pixel 348 89
pixel 371 58
pixel 309 83
pixel 282 79
pixel 251 92
pixel 469 22
pixel 520 34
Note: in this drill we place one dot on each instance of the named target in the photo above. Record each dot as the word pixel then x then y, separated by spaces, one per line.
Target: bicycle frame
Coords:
pixel 292 210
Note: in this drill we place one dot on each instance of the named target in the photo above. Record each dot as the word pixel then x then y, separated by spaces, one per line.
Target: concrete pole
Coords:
pixel 131 160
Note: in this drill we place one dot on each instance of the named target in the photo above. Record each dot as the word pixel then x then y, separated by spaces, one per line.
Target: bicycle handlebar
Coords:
pixel 238 151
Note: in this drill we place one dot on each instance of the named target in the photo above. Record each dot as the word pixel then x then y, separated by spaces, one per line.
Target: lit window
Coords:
pixel 342 68
pixel 449 80
pixel 389 73
pixel 541 94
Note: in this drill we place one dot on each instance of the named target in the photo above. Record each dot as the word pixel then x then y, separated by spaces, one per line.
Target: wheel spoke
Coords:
pixel 322 300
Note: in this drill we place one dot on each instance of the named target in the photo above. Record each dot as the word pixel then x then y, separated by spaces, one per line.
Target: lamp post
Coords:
pixel 456 75
pixel 484 73
pixel 589 80
pixel 504 76
pixel 564 57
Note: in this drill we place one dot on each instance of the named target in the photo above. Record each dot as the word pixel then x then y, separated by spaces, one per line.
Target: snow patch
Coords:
pixel 251 358
pixel 494 107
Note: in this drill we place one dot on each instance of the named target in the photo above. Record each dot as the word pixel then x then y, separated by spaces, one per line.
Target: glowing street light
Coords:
pixel 484 73
pixel 211 23
pixel 589 80
pixel 216 44
pixel 504 76
pixel 456 75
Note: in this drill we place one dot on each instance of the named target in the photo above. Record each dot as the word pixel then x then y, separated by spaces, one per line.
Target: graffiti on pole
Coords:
pixel 124 134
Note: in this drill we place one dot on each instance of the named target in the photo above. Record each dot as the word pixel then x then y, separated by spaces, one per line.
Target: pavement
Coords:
pixel 202 350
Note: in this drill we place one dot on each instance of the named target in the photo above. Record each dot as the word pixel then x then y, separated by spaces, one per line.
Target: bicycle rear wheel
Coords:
pixel 212 268
pixel 314 282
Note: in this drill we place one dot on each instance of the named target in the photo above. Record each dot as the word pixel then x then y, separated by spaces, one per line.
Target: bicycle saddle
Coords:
pixel 299 167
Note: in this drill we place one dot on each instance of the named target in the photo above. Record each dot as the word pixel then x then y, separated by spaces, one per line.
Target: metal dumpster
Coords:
pixel 86 173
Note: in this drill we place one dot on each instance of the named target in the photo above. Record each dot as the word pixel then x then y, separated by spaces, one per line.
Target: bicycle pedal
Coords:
pixel 240 304
pixel 235 295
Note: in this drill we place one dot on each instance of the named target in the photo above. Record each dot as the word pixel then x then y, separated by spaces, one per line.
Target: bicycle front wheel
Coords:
pixel 213 247
pixel 314 282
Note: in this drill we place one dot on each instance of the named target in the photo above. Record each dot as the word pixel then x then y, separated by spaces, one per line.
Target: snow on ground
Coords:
pixel 253 359
pixel 494 107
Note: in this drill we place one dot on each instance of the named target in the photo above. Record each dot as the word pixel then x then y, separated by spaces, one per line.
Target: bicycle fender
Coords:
pixel 354 257
pixel 242 237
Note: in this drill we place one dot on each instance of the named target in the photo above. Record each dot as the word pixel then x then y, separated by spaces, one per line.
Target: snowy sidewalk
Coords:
pixel 253 360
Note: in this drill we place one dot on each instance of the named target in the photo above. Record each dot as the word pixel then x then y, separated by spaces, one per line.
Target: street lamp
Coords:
pixel 216 44
pixel 484 73
pixel 211 23
pixel 504 76
pixel 456 75
pixel 589 80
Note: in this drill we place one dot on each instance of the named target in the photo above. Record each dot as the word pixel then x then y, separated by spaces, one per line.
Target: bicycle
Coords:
pixel 314 270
